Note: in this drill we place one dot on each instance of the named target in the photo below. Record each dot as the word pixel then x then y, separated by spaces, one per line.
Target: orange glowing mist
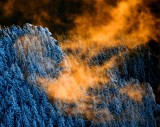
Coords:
pixel 128 23
pixel 134 92
pixel 127 19
pixel 8 7
pixel 72 85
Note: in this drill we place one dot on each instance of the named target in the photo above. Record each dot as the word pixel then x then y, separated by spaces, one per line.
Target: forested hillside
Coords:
pixel 38 86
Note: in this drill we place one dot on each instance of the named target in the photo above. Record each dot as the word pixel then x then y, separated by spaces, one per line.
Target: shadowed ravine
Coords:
pixel 41 85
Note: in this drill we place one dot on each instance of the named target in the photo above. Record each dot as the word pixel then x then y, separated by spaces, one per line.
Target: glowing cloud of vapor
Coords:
pixel 126 19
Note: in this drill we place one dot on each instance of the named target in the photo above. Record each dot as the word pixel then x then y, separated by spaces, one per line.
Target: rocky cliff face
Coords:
pixel 30 53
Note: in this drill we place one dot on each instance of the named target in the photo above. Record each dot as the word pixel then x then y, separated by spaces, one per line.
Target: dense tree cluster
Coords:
pixel 22 104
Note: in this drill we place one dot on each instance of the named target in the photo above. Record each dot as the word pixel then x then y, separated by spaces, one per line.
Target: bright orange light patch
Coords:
pixel 133 92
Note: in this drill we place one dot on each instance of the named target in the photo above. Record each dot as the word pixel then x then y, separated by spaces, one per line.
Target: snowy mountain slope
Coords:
pixel 29 53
